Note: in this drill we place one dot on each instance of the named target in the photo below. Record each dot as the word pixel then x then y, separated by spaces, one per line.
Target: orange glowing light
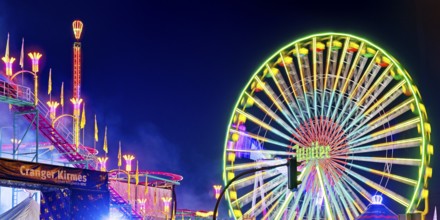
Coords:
pixel 102 163
pixel 35 57
pixel 128 159
pixel 8 62
pixel 204 214
pixel 77 28
pixel 217 190
pixel 53 109
pixel 166 203
pixel 142 204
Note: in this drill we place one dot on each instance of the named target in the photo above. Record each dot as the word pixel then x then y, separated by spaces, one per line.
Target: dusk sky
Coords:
pixel 164 75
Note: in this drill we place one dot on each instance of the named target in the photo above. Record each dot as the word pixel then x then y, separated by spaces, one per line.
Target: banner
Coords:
pixel 56 175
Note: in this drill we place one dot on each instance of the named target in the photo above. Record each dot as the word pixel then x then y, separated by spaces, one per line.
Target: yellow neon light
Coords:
pixel 204 214
pixel 327 205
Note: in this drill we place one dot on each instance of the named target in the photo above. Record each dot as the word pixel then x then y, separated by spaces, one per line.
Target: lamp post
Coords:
pixel 141 203
pixel 35 57
pixel 217 190
pixel 52 109
pixel 102 163
pixel 166 205
pixel 128 158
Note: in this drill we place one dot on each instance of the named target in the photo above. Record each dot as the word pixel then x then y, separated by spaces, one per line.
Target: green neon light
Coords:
pixel 418 188
pixel 315 151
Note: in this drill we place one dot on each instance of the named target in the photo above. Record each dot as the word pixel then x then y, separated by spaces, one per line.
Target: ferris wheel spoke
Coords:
pixel 315 77
pixel 358 72
pixel 364 78
pixel 372 75
pixel 382 119
pixel 341 63
pixel 380 104
pixel 343 196
pixel 267 152
pixel 395 177
pixel 392 145
pixel 336 74
pixel 246 181
pixel 298 194
pixel 400 161
pixel 333 191
pixel 303 79
pixel 343 199
pixel 396 197
pixel 258 164
pixel 398 128
pixel 358 204
pixel 280 106
pixel 378 86
pixel 270 113
pixel 266 187
pixel 349 201
pixel 325 194
pixel 260 138
pixel 338 78
pixel 292 76
pixel 264 125
pixel 347 82
pixel 363 192
pixel 315 202
pixel 350 183
pixel 275 204
pixel 284 90
pixel 326 75
pixel 287 200
pixel 373 97
pixel 305 204
pixel 269 198
pixel 353 67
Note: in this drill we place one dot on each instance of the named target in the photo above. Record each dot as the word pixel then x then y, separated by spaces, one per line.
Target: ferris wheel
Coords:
pixel 351 115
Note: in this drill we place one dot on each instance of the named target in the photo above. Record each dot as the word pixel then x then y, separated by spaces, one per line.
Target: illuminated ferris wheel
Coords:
pixel 351 115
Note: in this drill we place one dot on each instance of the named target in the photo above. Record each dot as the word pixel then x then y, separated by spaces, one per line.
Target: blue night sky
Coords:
pixel 164 75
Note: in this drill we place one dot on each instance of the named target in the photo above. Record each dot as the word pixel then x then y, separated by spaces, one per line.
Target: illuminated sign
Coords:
pixel 49 174
pixel 315 151
pixel 54 175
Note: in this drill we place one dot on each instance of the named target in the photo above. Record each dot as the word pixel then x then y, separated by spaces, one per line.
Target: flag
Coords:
pixel 137 172
pixel 49 84
pixel 146 184
pixel 83 116
pixel 105 147
pixel 62 95
pixel 119 155
pixel 22 54
pixel 7 48
pixel 96 130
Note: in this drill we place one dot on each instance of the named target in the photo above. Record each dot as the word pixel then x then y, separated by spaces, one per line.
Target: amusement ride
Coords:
pixel 350 114
pixel 47 138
